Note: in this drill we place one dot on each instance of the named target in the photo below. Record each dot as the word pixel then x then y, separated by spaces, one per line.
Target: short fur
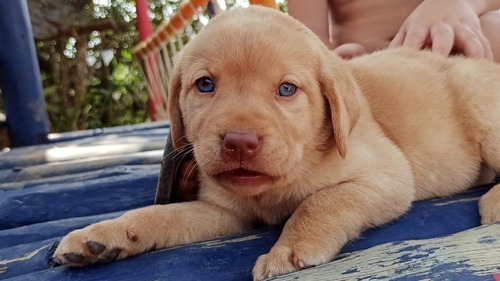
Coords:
pixel 357 143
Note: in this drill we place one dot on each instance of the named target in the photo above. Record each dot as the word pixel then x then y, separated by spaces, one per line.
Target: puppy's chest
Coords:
pixel 272 212
pixel 276 206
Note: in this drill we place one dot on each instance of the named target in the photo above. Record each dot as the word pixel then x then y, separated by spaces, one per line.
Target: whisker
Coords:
pixel 190 172
pixel 186 153
pixel 168 155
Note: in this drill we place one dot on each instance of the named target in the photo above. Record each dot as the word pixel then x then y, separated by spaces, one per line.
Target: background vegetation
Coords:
pixel 89 75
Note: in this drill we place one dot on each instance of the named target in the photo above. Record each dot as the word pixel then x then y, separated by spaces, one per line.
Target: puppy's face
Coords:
pixel 252 95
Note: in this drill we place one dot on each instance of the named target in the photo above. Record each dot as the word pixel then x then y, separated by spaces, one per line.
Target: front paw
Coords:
pixel 102 242
pixel 282 260
pixel 277 262
pixel 489 206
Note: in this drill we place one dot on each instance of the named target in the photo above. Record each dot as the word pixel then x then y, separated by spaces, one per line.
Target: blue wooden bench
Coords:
pixel 75 179
pixel 83 177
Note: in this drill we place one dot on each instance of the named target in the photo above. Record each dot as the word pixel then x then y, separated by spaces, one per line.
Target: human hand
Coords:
pixel 444 26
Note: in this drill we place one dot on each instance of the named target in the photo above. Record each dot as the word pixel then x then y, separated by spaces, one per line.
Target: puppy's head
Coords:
pixel 261 100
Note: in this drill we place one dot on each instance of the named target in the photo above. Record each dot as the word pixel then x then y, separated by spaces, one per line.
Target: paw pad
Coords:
pixel 111 256
pixel 74 258
pixel 95 248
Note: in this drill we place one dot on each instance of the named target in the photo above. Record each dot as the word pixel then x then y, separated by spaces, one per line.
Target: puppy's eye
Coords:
pixel 287 89
pixel 205 85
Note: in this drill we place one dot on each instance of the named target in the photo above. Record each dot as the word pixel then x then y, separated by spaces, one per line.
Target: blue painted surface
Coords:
pixel 43 198
pixel 66 200
pixel 426 219
pixel 48 190
pixel 23 99
pixel 38 231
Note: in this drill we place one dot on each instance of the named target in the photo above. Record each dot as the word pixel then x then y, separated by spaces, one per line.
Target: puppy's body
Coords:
pixel 440 112
pixel 351 148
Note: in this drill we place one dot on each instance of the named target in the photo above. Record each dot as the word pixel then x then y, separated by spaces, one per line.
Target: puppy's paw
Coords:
pixel 102 242
pixel 282 259
pixel 489 206
pixel 277 262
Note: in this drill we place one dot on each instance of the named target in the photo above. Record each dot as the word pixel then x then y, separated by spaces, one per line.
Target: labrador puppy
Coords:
pixel 283 130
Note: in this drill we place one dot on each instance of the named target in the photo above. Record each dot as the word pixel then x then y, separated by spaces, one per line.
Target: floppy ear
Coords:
pixel 176 120
pixel 343 95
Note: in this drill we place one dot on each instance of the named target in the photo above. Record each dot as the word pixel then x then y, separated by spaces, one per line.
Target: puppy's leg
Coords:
pixel 327 220
pixel 489 122
pixel 489 204
pixel 140 230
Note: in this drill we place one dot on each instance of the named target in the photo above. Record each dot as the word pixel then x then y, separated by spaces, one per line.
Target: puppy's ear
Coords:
pixel 343 95
pixel 176 120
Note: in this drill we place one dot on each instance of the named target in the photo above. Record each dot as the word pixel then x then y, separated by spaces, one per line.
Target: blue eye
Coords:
pixel 287 89
pixel 205 85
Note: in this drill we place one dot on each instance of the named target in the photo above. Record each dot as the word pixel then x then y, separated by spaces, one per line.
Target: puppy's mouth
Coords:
pixel 243 178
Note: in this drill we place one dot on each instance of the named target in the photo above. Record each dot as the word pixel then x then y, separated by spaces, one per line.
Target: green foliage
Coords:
pixel 122 100
pixel 115 93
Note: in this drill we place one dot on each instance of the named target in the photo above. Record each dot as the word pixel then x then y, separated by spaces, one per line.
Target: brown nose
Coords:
pixel 239 145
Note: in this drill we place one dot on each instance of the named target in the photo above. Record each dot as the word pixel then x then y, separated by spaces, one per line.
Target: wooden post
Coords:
pixel 24 103
pixel 145 31
pixel 143 23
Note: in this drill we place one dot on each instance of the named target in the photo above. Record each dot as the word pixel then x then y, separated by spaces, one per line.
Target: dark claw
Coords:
pixel 74 257
pixel 54 262
pixel 95 247
pixel 111 256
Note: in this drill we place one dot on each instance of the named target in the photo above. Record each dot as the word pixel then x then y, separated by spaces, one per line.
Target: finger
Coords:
pixel 442 39
pixel 397 41
pixel 415 38
pixel 350 50
pixel 468 42
pixel 487 51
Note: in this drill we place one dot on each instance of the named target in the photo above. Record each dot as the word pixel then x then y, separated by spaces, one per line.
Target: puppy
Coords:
pixel 283 130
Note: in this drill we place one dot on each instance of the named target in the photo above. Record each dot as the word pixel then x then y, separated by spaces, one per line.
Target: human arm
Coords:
pixel 314 15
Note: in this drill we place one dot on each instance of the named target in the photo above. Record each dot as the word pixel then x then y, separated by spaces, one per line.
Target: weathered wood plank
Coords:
pixel 426 219
pixel 35 257
pixel 21 177
pixel 469 255
pixel 74 177
pixel 29 156
pixel 228 258
pixel 29 248
pixel 104 138
pixel 232 258
pixel 47 230
pixel 64 200
pixel 55 185
pixel 134 129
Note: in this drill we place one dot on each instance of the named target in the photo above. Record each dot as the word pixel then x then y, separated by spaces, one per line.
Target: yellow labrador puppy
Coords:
pixel 284 130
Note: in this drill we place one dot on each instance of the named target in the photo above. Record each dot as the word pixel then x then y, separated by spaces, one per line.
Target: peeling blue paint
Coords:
pixel 488 240
pixel 351 270
pixel 62 200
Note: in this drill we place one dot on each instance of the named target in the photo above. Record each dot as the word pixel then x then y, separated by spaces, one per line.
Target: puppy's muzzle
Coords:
pixel 238 146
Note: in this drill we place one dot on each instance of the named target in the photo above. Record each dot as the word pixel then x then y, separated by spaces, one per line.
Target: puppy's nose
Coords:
pixel 239 145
